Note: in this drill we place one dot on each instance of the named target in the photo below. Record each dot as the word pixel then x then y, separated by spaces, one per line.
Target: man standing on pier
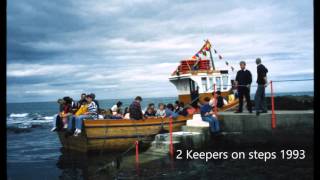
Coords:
pixel 243 81
pixel 259 98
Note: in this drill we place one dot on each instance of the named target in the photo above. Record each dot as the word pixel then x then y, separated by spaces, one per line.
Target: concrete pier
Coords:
pixel 239 128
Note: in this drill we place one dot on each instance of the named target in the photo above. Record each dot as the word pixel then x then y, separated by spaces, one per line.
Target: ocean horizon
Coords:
pixel 298 93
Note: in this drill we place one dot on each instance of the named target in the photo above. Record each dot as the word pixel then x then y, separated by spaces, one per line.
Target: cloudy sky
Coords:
pixel 120 49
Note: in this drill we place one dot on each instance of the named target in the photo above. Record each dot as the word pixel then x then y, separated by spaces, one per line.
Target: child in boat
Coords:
pixel 208 116
pixel 150 113
pixel 170 111
pixel 161 111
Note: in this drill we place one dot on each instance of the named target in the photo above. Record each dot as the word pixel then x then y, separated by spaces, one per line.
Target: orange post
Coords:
pixel 137 157
pixel 273 116
pixel 171 144
pixel 137 151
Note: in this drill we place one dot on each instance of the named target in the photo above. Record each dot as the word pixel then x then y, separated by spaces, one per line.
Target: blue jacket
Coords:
pixel 171 113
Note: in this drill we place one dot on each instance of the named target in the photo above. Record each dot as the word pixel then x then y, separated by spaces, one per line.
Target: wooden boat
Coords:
pixel 118 135
pixel 192 85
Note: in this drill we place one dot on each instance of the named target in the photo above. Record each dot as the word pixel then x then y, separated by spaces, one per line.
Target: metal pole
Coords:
pixel 213 68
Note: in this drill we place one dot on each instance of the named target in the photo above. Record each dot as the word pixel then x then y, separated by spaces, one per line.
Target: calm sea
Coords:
pixel 33 152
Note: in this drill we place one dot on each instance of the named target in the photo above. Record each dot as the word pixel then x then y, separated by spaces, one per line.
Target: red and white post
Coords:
pixel 273 115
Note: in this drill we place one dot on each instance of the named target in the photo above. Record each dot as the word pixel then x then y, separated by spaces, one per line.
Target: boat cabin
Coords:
pixel 196 79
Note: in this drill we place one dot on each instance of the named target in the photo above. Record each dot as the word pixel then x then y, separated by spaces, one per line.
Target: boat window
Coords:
pixel 210 83
pixel 204 83
pixel 218 83
pixel 225 82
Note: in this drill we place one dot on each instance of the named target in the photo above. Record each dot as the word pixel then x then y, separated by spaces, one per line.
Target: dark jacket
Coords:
pixel 220 102
pixel 262 73
pixel 135 111
pixel 147 114
pixel 244 77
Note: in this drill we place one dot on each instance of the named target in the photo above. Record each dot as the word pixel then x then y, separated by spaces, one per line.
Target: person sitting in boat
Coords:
pixel 220 100
pixel 177 107
pixel 170 111
pixel 115 107
pixel 150 105
pixel 82 100
pixel 90 114
pixel 126 114
pixel 161 111
pixel 82 109
pixel 150 113
pixel 208 116
pixel 66 114
pixel 57 124
pixel 117 115
pixel 135 109
pixel 184 111
pixel 107 114
pixel 95 101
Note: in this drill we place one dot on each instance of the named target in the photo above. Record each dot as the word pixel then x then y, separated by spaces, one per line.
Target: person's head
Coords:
pixel 151 105
pixel 219 93
pixel 258 61
pixel 206 99
pixel 150 110
pixel 119 104
pixel 60 101
pixel 93 96
pixel 161 106
pixel 170 106
pixel 138 99
pixel 89 98
pixel 83 95
pixel 176 102
pixel 181 104
pixel 67 100
pixel 242 65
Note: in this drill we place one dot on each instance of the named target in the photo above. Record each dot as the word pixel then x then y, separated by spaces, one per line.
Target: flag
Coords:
pixel 208 45
pixel 220 57
pixel 194 57
pixel 227 63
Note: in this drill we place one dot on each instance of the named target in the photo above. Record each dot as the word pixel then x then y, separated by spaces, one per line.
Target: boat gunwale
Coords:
pixel 127 122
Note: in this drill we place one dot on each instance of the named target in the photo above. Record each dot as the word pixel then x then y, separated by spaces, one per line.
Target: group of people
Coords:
pixel 72 114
